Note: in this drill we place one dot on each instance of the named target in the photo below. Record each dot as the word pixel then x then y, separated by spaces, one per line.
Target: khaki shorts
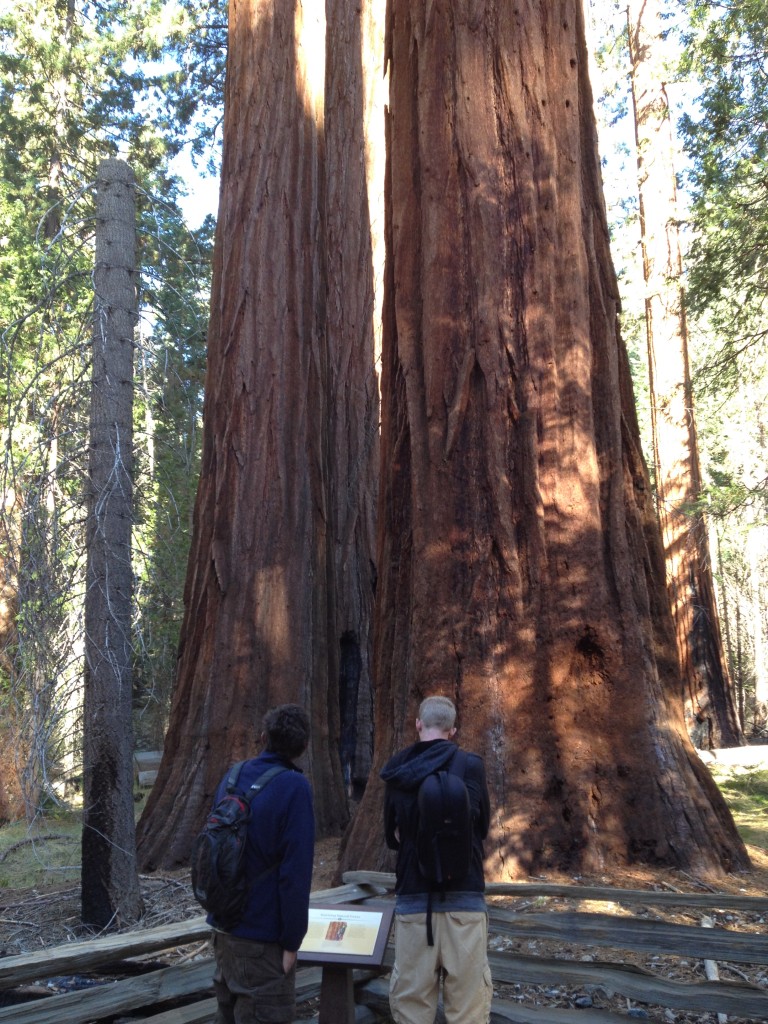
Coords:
pixel 459 957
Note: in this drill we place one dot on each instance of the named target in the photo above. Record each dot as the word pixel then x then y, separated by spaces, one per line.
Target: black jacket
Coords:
pixel 403 775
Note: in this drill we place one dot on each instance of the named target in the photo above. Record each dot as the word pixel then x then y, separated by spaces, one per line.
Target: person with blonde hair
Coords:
pixel 441 937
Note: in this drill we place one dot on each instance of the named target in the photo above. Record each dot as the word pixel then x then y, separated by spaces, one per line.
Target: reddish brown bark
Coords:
pixel 280 569
pixel 707 693
pixel 520 567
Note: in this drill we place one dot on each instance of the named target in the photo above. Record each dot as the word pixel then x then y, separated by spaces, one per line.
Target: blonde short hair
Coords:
pixel 437 713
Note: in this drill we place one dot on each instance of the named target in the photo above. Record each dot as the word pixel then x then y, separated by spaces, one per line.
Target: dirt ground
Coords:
pixel 31 920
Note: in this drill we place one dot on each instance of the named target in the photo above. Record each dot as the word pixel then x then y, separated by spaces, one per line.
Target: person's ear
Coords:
pixel 452 733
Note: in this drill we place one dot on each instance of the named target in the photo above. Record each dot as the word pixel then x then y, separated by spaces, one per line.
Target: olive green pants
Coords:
pixel 249 982
pixel 459 958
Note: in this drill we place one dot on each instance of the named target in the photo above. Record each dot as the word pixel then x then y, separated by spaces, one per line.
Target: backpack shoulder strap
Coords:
pixel 258 785
pixel 458 765
pixel 253 790
pixel 263 780
pixel 234 774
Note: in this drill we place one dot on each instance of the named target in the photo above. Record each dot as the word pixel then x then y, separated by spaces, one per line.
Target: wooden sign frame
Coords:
pixel 347 934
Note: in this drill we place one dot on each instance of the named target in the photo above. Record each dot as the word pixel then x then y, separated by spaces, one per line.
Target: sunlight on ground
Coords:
pixel 47 852
pixel 746 792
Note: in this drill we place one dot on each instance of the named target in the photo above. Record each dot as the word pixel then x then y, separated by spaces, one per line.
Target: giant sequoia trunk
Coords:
pixel 520 567
pixel 707 695
pixel 279 585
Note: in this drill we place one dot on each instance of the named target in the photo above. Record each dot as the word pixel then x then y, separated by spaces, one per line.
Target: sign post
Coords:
pixel 340 937
pixel 337 996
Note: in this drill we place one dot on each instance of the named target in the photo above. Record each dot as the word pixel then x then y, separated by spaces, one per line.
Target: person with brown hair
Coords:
pixel 255 977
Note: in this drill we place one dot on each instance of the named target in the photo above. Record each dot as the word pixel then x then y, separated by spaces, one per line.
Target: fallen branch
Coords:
pixel 196 951
pixel 31 840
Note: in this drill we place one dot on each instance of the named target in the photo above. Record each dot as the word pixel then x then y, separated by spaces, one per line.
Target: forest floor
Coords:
pixel 41 915
pixel 34 919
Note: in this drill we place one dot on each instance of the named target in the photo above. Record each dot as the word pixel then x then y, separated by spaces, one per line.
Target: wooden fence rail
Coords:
pixel 584 930
pixel 606 894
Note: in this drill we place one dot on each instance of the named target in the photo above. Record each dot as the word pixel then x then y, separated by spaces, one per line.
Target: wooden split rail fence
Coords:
pixel 190 979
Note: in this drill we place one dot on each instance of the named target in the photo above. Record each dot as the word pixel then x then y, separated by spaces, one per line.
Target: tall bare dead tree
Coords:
pixel 110 883
pixel 520 563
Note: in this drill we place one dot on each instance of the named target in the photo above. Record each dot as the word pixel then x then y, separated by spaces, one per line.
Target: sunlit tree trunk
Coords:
pixel 12 744
pixel 708 702
pixel 110 883
pixel 739 658
pixel 756 551
pixel 520 564
pixel 725 609
pixel 280 577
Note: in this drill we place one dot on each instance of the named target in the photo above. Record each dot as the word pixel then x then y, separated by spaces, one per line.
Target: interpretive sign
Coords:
pixel 347 934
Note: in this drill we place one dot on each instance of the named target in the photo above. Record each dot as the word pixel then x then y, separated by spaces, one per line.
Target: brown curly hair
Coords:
pixel 286 728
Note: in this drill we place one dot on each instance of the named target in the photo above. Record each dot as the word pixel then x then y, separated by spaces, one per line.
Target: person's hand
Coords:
pixel 289 959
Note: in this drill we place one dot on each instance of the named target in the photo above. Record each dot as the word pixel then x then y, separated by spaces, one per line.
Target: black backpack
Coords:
pixel 444 829
pixel 218 856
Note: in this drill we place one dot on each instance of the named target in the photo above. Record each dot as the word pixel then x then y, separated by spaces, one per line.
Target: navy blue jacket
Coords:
pixel 403 775
pixel 281 835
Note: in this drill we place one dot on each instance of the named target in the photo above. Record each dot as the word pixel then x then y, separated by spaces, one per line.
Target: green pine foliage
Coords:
pixel 169 382
pixel 74 89
pixel 613 110
pixel 726 137
pixel 717 86
pixel 725 134
pixel 186 89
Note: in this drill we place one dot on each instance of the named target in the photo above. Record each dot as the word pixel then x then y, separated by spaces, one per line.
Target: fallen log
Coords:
pixel 80 957
pixel 115 997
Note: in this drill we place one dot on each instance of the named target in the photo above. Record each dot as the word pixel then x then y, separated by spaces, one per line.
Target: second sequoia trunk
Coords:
pixel 520 564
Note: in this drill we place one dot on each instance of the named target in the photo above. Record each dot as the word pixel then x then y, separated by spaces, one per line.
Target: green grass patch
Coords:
pixel 746 793
pixel 43 854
